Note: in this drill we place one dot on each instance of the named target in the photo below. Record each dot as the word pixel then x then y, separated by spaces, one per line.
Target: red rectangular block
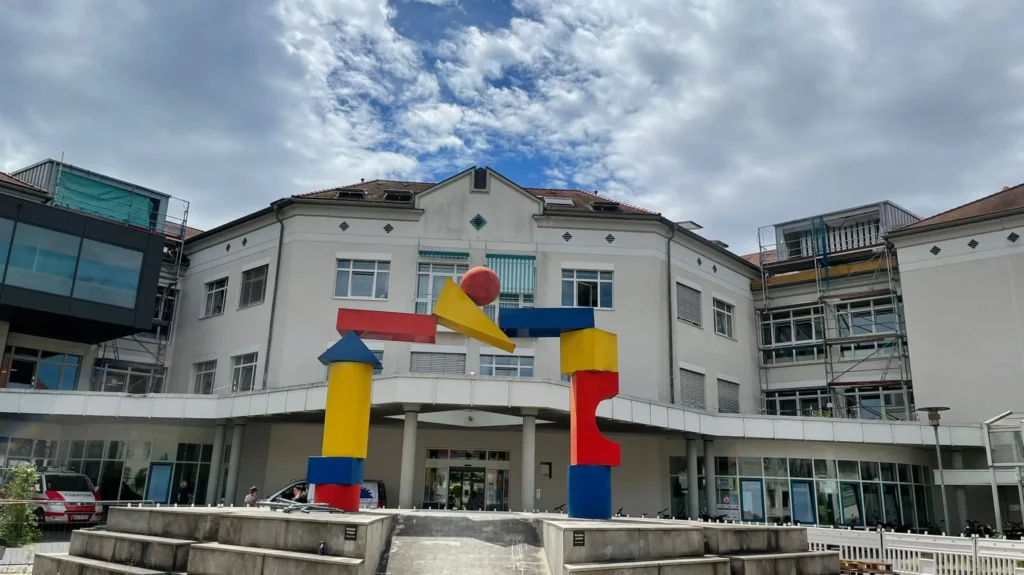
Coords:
pixel 588 446
pixel 344 497
pixel 388 325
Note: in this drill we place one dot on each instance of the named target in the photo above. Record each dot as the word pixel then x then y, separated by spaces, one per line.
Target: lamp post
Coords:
pixel 933 420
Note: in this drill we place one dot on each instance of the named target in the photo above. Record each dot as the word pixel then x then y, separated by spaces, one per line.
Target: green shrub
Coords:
pixel 17 520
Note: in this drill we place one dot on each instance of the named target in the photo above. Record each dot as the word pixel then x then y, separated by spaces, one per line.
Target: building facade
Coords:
pixel 456 423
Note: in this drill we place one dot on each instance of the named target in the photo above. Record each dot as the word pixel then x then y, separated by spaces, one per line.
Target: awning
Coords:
pixel 444 255
pixel 516 272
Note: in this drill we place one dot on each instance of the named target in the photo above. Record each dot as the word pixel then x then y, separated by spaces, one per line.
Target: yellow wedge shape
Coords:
pixel 457 312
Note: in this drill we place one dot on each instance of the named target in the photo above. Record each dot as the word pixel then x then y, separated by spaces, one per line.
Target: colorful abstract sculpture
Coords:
pixel 589 355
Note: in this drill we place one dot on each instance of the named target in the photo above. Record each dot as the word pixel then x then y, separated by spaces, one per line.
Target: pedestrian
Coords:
pixel 253 497
pixel 299 495
pixel 184 493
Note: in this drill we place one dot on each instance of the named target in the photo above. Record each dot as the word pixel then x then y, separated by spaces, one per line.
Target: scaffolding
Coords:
pixel 860 339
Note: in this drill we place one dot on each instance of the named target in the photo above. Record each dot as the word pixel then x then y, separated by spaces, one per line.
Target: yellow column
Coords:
pixel 347 417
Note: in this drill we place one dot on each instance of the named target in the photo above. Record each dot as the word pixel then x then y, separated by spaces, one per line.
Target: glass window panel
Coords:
pixel 904 470
pixel 47 375
pixel 586 275
pixel 828 502
pixel 43 260
pixel 777 501
pixel 725 466
pixel 891 503
pixel 923 508
pixel 869 471
pixel 907 503
pixel 775 467
pixel 918 474
pixel 803 331
pixel 676 465
pixel 108 274
pixel 873 515
pixel 849 495
pixel 94 450
pixel 362 284
pixel 20 448
pixel 750 467
pixel 6 231
pixel 801 468
pixel 606 294
pixel 783 333
pixel 752 500
pixel 824 469
pixel 341 284
pixel 849 470
pixel 381 291
pixel 888 471
pixel 437 454
pixel 567 293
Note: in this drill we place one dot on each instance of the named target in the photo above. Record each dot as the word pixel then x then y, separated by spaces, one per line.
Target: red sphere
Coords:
pixel 481 285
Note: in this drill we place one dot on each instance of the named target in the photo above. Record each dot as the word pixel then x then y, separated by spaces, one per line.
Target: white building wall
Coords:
pixel 965 318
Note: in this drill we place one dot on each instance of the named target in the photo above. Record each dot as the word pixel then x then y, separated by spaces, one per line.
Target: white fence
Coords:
pixel 923 554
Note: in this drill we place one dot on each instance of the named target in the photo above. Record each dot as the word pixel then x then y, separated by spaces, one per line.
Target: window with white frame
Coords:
pixel 869 317
pixel 362 278
pixel 723 318
pixel 875 402
pixel 587 288
pixel 430 279
pixel 243 372
pixel 688 306
pixel 205 375
pixel 792 335
pixel 691 389
pixel 216 296
pixel 119 376
pixel 506 365
pixel 430 362
pixel 728 396
pixel 798 402
pixel 254 286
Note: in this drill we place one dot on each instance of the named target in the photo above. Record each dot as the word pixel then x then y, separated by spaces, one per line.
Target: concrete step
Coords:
pixel 732 539
pixel 355 535
pixel 144 551
pixel 220 559
pixel 63 564
pixel 803 563
pixel 580 542
pixel 194 523
pixel 686 566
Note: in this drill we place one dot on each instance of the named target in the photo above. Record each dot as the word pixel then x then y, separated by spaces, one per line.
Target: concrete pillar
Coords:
pixel 529 458
pixel 709 477
pixel 216 463
pixel 692 485
pixel 234 459
pixel 408 476
pixel 960 494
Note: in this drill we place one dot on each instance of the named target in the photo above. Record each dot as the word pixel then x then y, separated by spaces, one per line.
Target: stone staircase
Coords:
pixel 223 541
pixel 665 547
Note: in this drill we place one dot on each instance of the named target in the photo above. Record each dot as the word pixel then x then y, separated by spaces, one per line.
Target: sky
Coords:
pixel 736 114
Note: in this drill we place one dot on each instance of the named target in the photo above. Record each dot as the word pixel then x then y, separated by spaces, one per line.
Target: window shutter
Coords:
pixel 688 304
pixel 728 397
pixel 426 362
pixel 691 389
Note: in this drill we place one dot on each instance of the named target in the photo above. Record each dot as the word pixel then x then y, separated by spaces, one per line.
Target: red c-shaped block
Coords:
pixel 587 390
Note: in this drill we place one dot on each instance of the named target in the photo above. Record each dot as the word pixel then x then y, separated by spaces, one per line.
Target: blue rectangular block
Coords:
pixel 334 471
pixel 590 492
pixel 544 321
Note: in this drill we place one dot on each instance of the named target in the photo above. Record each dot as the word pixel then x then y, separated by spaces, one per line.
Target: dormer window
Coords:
pixel 397 195
pixel 349 194
pixel 604 206
pixel 558 202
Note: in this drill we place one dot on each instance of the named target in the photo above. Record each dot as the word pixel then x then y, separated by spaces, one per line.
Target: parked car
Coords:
pixel 63 497
pixel 373 495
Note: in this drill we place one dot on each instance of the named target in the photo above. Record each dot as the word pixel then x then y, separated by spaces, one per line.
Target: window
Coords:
pixel 517 275
pixel 216 295
pixel 243 372
pixel 587 288
pixel 116 376
pixel 359 278
pixel 723 318
pixel 688 307
pixel 795 335
pixel 506 365
pixel 866 318
pixel 728 397
pixel 429 362
pixel 803 402
pixel 430 278
pixel 108 274
pixel 43 260
pixel 205 375
pixel 254 286
pixel 27 368
pixel 876 402
pixel 691 389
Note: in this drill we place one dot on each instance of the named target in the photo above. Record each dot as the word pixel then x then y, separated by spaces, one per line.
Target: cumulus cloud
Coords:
pixel 730 113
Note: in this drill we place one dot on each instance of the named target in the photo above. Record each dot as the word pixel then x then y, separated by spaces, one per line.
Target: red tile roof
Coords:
pixel 375 190
pixel 12 181
pixel 770 256
pixel 1005 200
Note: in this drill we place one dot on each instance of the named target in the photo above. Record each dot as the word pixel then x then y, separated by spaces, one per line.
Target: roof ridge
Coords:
pixel 924 222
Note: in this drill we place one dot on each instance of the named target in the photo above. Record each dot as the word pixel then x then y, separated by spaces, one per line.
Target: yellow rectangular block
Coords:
pixel 457 312
pixel 589 349
pixel 347 417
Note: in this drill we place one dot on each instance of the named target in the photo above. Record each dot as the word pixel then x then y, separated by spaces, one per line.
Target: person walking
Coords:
pixel 253 497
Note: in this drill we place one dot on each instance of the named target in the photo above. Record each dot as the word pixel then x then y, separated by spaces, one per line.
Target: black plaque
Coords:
pixel 350 533
pixel 579 538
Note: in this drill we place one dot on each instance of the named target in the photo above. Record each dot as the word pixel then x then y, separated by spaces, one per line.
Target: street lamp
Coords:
pixel 933 420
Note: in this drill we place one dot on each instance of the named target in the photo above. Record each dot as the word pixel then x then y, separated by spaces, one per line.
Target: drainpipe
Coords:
pixel 671 323
pixel 273 297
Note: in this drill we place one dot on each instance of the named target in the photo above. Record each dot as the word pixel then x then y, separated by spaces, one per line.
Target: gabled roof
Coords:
pixel 770 257
pixel 375 191
pixel 22 186
pixel 1002 203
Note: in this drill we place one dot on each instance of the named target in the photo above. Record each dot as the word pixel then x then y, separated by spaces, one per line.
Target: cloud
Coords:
pixel 730 113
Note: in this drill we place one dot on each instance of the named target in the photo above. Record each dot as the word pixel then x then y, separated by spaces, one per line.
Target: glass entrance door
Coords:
pixel 466 488
pixel 803 502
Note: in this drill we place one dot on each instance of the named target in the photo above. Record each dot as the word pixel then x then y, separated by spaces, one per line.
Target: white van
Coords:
pixel 373 495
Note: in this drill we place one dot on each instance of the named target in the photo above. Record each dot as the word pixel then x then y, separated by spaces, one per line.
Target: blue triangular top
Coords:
pixel 349 348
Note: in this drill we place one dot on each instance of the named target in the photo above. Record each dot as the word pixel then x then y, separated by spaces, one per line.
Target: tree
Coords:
pixel 17 520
